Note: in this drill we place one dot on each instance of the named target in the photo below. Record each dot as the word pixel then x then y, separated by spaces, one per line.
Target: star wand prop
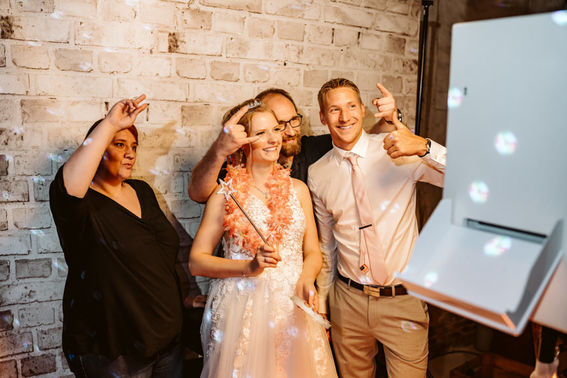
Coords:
pixel 227 190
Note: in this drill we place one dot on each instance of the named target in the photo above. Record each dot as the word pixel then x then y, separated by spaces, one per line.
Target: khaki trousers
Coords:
pixel 400 323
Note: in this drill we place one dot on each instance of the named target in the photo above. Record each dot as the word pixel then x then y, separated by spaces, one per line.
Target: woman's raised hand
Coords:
pixel 266 257
pixel 123 114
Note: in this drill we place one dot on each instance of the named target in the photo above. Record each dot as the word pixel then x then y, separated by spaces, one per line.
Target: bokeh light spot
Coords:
pixel 61 267
pixel 86 66
pixel 38 179
pixel 293 331
pixel 430 279
pixel 55 157
pixel 394 208
pixel 57 14
pixel 6 321
pixel 478 191
pixel 497 246
pixel 364 279
pixel 505 143
pixel 504 4
pixel 455 98
pixel 560 17
pixel 55 111
pixel 207 316
pixel 217 335
pixel 159 171
pixel 408 326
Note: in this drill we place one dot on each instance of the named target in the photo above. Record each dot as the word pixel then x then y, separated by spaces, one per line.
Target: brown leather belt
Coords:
pixel 375 290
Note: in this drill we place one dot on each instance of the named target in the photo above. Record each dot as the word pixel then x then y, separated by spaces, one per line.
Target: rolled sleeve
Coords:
pixel 433 169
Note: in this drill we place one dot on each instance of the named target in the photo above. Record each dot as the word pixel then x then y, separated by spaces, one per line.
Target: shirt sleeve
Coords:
pixel 432 170
pixel 328 246
pixel 70 215
pixel 64 206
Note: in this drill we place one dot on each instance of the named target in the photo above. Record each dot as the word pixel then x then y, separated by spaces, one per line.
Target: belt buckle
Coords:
pixel 372 291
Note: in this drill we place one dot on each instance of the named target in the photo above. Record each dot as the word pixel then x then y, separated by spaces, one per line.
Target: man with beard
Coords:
pixel 297 153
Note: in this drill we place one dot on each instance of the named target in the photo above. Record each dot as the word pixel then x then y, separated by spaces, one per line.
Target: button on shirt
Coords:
pixel 391 188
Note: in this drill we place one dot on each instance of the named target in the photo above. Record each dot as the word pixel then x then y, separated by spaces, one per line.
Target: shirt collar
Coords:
pixel 360 148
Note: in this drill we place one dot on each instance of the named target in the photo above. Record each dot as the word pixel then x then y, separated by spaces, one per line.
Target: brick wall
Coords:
pixel 63 62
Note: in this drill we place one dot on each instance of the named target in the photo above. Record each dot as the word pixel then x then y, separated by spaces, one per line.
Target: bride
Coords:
pixel 251 327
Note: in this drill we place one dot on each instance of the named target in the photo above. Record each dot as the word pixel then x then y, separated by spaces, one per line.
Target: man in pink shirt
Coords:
pixel 367 303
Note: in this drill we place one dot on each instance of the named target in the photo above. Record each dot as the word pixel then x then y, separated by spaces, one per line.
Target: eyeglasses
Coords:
pixel 294 122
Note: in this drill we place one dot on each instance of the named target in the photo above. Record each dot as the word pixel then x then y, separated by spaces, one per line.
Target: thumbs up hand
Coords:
pixel 402 142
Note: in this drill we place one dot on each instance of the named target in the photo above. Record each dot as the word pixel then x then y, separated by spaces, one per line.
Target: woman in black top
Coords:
pixel 122 303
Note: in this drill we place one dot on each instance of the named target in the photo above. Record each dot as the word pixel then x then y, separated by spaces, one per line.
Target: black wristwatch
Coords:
pixel 399 117
pixel 428 148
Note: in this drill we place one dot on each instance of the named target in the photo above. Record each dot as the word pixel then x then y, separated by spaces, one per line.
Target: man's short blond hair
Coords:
pixel 334 84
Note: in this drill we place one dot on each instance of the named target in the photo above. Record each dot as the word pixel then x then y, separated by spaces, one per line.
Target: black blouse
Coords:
pixel 122 295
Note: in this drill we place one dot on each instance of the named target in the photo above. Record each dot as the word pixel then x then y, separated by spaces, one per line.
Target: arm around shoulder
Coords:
pixel 204 175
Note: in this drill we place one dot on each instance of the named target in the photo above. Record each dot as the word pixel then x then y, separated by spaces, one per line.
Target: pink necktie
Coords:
pixel 371 253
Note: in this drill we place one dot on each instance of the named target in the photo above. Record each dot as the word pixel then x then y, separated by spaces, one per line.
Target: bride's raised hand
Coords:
pixel 266 257
pixel 123 114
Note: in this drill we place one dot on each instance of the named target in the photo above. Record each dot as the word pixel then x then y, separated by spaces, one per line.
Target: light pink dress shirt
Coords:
pixel 391 188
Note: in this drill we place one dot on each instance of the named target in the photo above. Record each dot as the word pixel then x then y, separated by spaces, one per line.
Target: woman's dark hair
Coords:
pixel 132 129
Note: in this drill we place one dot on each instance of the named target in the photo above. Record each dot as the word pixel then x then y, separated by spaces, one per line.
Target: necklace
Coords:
pixel 264 192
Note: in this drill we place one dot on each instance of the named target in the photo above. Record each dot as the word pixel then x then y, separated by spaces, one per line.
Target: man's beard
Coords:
pixel 291 149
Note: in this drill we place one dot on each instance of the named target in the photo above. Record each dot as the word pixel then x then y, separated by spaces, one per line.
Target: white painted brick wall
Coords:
pixel 64 62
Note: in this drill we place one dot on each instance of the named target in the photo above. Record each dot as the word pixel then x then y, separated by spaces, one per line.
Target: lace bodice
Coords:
pixel 291 247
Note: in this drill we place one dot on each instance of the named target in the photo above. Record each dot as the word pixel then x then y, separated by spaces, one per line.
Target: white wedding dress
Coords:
pixel 251 328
